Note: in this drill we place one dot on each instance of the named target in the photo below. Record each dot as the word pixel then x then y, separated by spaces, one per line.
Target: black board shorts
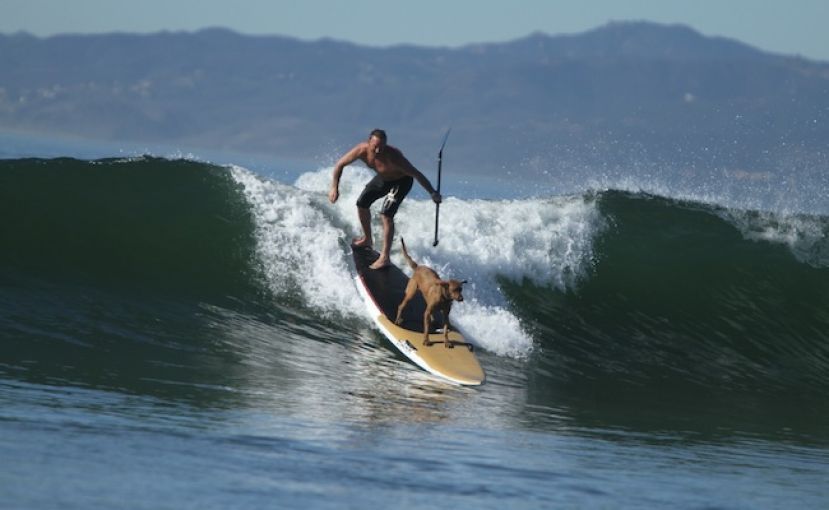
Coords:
pixel 393 191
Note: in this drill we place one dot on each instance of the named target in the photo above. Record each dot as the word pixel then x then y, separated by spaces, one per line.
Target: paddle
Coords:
pixel 440 164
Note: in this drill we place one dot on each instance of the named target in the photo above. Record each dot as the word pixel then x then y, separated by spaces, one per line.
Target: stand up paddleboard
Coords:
pixel 382 290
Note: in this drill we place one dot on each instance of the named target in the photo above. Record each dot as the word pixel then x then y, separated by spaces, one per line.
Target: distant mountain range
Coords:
pixel 625 92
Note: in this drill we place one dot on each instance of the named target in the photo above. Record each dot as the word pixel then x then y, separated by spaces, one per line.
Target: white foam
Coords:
pixel 807 237
pixel 300 249
pixel 546 241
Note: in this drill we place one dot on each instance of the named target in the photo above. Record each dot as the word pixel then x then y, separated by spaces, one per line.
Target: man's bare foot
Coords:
pixel 380 263
pixel 361 242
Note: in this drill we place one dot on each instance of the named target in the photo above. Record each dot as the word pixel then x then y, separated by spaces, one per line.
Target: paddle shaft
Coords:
pixel 437 206
pixel 440 168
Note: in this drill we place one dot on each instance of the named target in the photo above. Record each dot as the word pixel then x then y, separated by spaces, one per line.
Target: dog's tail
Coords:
pixel 411 262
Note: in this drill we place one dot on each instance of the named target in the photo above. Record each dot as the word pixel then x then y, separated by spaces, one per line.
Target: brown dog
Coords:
pixel 436 292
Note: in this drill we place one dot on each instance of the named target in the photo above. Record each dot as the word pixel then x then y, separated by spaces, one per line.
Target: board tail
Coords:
pixel 411 262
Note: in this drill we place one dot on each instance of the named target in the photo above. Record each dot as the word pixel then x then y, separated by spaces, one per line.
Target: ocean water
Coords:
pixel 176 333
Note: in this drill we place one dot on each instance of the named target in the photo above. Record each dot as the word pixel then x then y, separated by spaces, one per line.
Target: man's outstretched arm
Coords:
pixel 348 158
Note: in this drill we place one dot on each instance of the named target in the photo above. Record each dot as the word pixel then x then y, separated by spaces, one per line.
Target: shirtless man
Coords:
pixel 393 181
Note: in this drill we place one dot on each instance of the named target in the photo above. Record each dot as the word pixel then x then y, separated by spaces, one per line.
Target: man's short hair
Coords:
pixel 379 133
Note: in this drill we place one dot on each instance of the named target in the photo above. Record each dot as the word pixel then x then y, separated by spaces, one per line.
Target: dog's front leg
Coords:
pixel 446 327
pixel 427 323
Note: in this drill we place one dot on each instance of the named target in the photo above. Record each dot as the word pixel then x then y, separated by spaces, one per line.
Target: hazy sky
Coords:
pixel 795 27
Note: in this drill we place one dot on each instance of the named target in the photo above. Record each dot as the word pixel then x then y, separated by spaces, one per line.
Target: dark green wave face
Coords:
pixel 681 296
pixel 115 273
pixel 149 223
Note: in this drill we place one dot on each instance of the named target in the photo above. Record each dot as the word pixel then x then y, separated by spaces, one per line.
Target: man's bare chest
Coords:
pixel 381 165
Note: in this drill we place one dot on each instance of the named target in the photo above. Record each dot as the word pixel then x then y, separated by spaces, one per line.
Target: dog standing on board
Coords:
pixel 437 293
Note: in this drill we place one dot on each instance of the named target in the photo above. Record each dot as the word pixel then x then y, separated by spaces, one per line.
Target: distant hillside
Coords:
pixel 625 91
